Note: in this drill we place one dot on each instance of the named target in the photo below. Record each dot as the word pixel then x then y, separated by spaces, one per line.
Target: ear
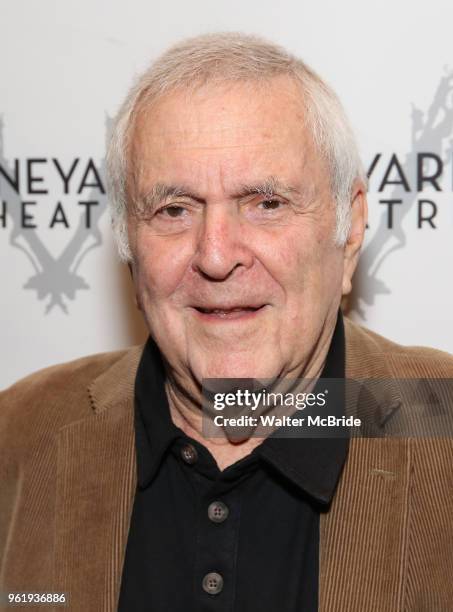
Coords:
pixel 136 298
pixel 359 217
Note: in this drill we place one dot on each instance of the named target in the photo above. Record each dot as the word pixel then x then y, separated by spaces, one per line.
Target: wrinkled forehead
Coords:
pixel 235 126
pixel 213 109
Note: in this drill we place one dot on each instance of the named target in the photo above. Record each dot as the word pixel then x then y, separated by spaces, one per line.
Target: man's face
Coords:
pixel 235 265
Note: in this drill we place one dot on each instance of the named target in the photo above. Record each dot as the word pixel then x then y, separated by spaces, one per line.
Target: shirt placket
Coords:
pixel 217 535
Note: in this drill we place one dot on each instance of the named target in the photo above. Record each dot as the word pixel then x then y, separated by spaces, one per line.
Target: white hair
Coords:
pixel 226 57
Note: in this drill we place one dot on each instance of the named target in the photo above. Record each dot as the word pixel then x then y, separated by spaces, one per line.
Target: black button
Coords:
pixel 217 512
pixel 213 583
pixel 189 453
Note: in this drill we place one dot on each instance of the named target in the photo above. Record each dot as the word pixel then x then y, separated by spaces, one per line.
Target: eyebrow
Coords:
pixel 161 192
pixel 268 187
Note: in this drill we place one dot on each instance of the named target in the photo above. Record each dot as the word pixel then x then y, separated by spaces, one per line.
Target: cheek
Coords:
pixel 162 263
pixel 291 256
pixel 305 265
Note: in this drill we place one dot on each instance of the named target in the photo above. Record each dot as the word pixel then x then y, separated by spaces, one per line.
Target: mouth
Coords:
pixel 228 313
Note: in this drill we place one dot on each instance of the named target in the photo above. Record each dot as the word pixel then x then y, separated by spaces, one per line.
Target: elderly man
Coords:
pixel 239 203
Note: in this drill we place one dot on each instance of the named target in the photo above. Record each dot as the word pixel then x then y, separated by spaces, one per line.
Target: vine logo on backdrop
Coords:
pixel 81 196
pixel 407 189
pixel 404 186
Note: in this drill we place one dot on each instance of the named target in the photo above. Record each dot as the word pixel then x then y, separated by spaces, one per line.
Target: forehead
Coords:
pixel 236 131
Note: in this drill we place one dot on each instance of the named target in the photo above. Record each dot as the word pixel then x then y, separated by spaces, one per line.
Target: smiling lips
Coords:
pixel 228 312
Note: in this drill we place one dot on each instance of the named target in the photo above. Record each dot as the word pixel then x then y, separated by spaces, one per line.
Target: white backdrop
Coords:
pixel 67 65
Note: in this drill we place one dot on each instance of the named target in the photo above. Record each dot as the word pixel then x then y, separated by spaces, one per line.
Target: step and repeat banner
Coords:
pixel 66 67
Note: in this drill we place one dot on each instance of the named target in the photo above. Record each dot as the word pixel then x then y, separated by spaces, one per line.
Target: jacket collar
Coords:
pixel 362 535
pixel 116 385
pixel 366 363
pixel 96 481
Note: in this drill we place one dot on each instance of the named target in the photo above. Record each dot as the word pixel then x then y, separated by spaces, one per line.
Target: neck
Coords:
pixel 186 406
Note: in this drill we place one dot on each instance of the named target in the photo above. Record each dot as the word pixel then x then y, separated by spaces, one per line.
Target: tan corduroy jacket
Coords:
pixel 67 478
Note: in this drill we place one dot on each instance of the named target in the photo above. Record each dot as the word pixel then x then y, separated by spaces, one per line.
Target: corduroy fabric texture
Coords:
pixel 68 476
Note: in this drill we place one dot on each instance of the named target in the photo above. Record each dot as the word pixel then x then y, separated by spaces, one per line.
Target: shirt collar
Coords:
pixel 313 464
pixel 154 427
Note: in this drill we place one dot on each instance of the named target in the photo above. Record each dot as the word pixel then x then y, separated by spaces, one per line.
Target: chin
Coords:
pixel 231 366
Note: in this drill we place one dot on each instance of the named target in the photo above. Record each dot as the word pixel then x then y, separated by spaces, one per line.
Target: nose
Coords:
pixel 221 246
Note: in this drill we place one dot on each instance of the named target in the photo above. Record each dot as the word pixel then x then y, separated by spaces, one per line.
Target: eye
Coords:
pixel 171 211
pixel 270 204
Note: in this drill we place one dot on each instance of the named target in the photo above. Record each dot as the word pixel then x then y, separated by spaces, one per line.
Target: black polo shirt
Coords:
pixel 242 539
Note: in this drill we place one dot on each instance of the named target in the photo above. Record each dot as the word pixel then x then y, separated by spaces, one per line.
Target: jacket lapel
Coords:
pixel 362 536
pixel 96 479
